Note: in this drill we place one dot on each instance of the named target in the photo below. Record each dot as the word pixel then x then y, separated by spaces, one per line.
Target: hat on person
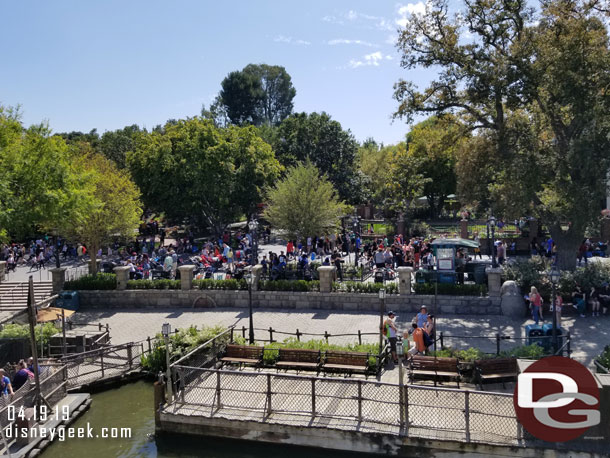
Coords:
pixel 424 307
pixel 390 313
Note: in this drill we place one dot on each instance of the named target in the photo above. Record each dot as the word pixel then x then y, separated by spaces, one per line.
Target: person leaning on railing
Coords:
pixel 5 384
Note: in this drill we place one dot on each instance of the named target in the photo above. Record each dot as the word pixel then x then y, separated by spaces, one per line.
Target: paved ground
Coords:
pixel 589 335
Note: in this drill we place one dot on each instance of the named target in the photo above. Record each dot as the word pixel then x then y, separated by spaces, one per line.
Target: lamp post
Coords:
pixel 357 235
pixel 491 223
pixel 56 250
pixel 555 275
pixel 252 225
pixel 381 312
pixel 166 330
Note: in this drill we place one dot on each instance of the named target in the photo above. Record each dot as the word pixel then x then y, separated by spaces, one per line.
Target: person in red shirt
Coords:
pixel 418 341
pixel 289 249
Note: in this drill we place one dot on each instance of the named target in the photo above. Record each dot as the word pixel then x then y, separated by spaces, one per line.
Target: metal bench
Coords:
pixel 433 368
pixel 498 369
pixel 242 355
pixel 298 359
pixel 346 361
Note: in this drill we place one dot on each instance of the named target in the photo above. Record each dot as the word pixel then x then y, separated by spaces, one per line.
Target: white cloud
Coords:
pixel 343 41
pixel 370 60
pixel 404 11
pixel 290 40
pixel 364 20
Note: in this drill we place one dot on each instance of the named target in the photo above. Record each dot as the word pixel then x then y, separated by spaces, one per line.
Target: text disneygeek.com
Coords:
pixel 66 432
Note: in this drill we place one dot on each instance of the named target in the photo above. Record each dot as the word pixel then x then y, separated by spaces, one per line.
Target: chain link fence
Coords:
pixel 352 404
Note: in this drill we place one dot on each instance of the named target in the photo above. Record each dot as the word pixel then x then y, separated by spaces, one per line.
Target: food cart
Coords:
pixel 445 253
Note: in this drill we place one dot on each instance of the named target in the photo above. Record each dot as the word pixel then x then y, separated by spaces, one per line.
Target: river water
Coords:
pixel 131 406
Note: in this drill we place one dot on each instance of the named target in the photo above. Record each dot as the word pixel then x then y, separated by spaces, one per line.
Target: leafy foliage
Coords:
pixel 533 351
pixel 304 203
pixel 175 169
pixel 22 331
pixel 361 287
pixel 100 281
pixel 181 343
pixel 317 138
pixel 162 283
pixel 604 358
pixel 290 285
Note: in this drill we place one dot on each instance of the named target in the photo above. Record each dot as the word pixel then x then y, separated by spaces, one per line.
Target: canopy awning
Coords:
pixel 456 242
pixel 52 314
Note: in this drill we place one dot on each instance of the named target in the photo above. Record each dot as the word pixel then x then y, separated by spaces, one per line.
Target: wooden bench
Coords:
pixel 433 368
pixel 346 361
pixel 298 359
pixel 242 354
pixel 498 369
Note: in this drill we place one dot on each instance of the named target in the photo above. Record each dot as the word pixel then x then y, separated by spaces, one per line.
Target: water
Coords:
pixel 131 406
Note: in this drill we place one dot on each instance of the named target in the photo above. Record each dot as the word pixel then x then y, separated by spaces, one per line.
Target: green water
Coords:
pixel 131 407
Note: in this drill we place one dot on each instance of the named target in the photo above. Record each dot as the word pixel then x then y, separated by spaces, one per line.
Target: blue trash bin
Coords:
pixel 535 335
pixel 68 300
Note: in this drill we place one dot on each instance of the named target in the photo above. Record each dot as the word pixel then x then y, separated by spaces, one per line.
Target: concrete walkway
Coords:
pixel 589 335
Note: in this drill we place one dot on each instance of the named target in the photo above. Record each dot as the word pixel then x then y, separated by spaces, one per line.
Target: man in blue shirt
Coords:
pixel 422 317
pixel 5 384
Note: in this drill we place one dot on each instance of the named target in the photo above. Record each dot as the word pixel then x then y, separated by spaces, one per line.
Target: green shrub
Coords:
pixel 99 281
pixel 604 359
pixel 289 285
pixel 162 283
pixel 533 351
pixel 361 287
pixel 229 284
pixel 181 343
pixel 450 289
pixel 22 331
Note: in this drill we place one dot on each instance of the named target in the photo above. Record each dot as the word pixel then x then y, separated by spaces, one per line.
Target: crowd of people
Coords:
pixel 23 372
pixel 421 335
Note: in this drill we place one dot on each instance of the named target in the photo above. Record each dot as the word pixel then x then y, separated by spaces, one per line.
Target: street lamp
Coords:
pixel 491 223
pixel 166 330
pixel 355 223
pixel 555 275
pixel 55 234
pixel 252 225
pixel 381 313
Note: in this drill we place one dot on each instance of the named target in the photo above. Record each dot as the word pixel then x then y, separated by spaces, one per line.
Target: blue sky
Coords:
pixel 106 64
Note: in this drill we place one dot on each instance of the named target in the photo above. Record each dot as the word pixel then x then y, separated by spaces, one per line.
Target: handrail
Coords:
pixel 345 380
pixel 97 350
pixel 190 353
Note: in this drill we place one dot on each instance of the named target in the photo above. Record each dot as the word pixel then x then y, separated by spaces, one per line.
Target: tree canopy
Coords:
pixel 535 85
pixel 304 203
pixel 196 172
pixel 318 138
pixel 258 94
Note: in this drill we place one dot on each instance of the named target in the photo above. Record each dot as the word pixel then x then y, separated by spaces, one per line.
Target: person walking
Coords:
pixel 389 331
pixel 536 301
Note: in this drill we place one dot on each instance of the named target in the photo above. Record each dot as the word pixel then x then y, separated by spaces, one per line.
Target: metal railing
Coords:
pixel 105 362
pixel 498 343
pixel 243 331
pixel 356 404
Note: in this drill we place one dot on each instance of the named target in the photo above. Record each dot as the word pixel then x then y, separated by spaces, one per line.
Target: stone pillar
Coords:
pixel 327 273
pixel 58 278
pixel 186 277
pixel 464 228
pixel 257 271
pixel 98 266
pixel 605 230
pixel 494 280
pixel 2 271
pixel 122 277
pixel 404 280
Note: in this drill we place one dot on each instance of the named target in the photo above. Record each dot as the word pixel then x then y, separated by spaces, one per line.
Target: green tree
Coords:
pixel 304 203
pixel 373 163
pixel 434 143
pixel 208 176
pixel 117 143
pixel 39 184
pixel 318 138
pixel 258 94
pixel 536 85
pixel 113 210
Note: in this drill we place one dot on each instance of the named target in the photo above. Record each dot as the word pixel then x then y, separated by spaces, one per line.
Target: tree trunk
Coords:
pixel 567 248
pixel 93 259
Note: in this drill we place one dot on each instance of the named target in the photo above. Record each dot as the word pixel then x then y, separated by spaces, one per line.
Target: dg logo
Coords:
pixel 557 399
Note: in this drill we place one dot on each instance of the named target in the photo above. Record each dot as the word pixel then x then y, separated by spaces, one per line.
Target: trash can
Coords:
pixel 535 335
pixel 68 300
pixel 548 331
pixel 480 277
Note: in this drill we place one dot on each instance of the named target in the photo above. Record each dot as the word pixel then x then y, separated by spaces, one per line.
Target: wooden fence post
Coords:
pixel 130 357
pixel 359 337
pixel 326 335
pixel 270 334
pixel 102 362
pixel 298 335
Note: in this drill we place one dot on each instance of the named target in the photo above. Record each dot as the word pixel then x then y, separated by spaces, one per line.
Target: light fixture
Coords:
pixel 166 329
pixel 253 224
pixel 565 226
pixel 555 275
pixel 492 221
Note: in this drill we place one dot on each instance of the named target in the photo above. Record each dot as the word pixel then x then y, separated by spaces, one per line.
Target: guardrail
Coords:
pixel 339 403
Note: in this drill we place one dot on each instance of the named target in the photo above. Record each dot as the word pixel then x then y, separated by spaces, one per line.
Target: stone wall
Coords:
pixel 349 302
